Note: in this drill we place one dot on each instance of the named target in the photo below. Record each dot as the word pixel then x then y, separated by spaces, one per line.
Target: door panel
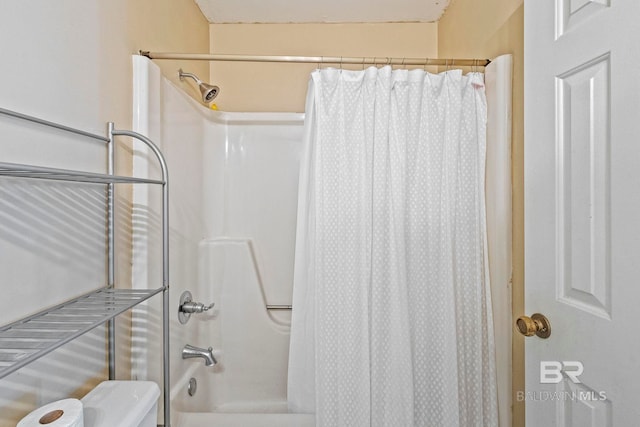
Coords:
pixel 583 190
pixel 582 211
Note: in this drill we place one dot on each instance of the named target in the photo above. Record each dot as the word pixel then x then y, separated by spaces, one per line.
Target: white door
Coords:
pixel 582 211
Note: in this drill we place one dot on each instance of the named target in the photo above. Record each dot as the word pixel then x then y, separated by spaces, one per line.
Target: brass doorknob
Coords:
pixel 537 324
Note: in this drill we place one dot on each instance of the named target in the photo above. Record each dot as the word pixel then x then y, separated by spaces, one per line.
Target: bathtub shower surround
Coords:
pixel 235 179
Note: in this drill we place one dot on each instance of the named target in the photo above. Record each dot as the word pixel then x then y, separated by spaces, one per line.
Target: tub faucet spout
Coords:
pixel 189 352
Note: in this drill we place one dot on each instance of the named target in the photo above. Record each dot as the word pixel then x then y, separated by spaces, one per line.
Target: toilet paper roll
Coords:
pixel 62 413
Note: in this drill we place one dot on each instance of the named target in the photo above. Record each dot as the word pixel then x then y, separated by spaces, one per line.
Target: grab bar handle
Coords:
pixel 278 307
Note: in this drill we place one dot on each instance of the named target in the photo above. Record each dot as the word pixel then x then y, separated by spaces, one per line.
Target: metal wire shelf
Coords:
pixel 28 339
pixel 39 172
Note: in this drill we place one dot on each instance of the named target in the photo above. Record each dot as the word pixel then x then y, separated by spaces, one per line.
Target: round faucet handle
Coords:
pixel 187 307
pixel 195 307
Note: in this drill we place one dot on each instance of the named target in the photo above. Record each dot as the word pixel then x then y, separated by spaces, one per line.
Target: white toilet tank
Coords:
pixel 122 404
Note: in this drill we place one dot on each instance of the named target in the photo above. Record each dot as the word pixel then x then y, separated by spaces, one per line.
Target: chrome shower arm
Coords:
pixel 182 75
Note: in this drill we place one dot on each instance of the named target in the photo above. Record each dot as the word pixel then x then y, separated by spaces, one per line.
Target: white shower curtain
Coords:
pixel 391 321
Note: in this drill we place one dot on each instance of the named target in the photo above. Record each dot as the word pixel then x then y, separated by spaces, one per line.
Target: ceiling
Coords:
pixel 300 11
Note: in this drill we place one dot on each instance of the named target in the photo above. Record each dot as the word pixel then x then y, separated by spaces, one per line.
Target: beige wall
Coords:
pixel 170 26
pixel 70 62
pixel 497 27
pixel 282 87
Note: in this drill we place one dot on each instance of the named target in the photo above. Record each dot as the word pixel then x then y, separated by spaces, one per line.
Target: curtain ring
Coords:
pixel 424 67
pixel 341 63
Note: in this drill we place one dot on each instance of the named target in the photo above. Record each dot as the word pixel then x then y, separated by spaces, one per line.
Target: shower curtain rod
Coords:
pixel 371 60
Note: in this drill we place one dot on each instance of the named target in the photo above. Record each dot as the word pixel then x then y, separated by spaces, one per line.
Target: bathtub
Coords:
pixel 233 185
pixel 197 410
pixel 198 419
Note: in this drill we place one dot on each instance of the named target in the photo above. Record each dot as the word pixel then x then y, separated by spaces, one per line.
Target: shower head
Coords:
pixel 209 92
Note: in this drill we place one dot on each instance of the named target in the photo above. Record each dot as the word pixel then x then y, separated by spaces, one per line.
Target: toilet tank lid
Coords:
pixel 119 403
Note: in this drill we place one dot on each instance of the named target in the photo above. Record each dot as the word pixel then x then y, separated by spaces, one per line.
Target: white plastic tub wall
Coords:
pixel 233 190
